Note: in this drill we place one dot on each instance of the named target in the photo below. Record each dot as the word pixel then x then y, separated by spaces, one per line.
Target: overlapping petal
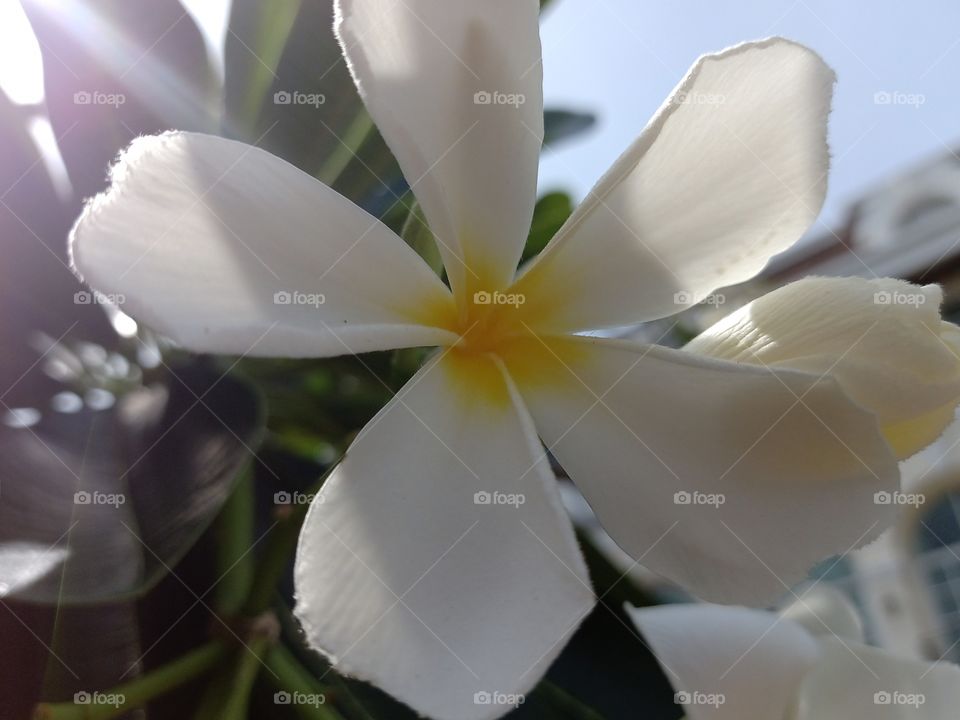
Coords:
pixel 822 609
pixel 437 561
pixel 858 682
pixel 730 171
pixel 881 339
pixel 732 480
pixel 456 91
pixel 226 248
pixel 729 663
pixel 765 667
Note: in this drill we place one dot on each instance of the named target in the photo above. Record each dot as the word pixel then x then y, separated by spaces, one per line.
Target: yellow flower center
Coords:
pixel 488 320
pixel 501 324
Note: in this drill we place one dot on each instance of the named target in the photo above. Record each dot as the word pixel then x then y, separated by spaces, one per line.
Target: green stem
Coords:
pixel 248 665
pixel 282 541
pixel 139 692
pixel 340 692
pixel 215 693
pixel 227 694
pixel 295 681
pixel 346 699
pixel 234 532
pixel 280 545
pixel 567 703
pixel 353 139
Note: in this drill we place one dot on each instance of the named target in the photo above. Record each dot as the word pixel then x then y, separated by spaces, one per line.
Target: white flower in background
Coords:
pixel 411 571
pixel 808 663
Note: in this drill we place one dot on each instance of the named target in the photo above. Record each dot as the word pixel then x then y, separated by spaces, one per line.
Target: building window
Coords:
pixel 937 547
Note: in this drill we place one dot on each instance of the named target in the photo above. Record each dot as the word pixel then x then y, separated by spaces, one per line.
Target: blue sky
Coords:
pixel 620 58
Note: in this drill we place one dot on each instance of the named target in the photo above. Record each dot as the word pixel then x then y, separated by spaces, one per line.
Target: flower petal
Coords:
pixel 732 480
pixel 882 340
pixel 407 579
pixel 825 610
pixel 857 682
pixel 456 91
pixel 228 249
pixel 751 662
pixel 731 171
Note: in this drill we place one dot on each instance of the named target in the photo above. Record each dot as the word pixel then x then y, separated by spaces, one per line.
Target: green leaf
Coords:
pixel 115 69
pixel 417 235
pixel 561 125
pixel 314 118
pixel 97 506
pixel 256 36
pixel 549 214
pixel 330 398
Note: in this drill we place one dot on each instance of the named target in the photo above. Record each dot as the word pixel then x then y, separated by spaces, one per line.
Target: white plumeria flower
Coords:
pixel 808 663
pixel 437 562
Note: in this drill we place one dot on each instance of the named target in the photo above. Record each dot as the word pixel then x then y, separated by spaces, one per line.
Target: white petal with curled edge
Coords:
pixel 456 91
pixel 226 248
pixel 728 663
pixel 407 578
pixel 857 682
pixel 731 171
pixel 732 480
pixel 882 339
pixel 824 610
